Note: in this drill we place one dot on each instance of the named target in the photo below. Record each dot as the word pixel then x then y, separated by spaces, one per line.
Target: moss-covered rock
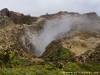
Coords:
pixel 56 52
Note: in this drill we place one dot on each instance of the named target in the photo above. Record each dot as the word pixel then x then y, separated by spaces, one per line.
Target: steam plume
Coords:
pixel 54 28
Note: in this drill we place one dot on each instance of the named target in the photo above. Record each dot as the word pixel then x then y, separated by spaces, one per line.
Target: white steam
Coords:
pixel 54 28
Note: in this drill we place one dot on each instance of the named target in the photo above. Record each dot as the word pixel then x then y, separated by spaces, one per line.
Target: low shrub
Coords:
pixel 72 67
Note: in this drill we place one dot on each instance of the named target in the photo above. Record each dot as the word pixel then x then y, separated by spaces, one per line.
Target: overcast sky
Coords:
pixel 39 7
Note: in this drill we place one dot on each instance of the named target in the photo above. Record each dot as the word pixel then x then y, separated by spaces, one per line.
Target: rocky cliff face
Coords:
pixel 16 17
pixel 12 30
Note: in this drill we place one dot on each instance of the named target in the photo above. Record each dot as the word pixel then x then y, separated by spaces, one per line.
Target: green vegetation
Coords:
pixel 12 65
pixel 90 67
pixel 35 69
pixel 55 61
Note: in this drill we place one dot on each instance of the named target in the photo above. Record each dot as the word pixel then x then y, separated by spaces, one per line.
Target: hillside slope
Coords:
pixel 45 46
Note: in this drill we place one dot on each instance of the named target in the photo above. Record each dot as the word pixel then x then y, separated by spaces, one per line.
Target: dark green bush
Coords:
pixel 72 67
pixel 8 59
